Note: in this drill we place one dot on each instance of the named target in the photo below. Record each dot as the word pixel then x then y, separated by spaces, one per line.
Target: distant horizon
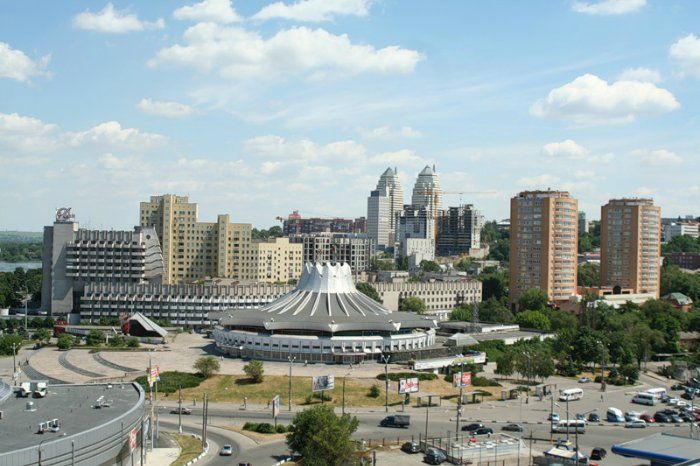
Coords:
pixel 262 107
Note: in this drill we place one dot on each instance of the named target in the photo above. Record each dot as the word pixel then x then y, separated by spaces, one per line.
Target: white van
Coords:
pixel 569 426
pixel 570 394
pixel 645 398
pixel 659 393
pixel 614 415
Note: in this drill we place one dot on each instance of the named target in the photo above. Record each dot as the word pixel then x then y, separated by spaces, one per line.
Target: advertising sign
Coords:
pixel 154 375
pixel 408 385
pixel 462 379
pixel 323 382
pixel 132 439
pixel 275 406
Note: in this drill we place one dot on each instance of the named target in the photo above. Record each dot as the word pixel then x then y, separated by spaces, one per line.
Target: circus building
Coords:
pixel 324 319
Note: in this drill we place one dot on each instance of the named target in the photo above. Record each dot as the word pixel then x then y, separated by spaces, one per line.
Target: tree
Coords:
pixel 368 290
pixel 321 437
pixel 533 299
pixel 499 250
pixel 494 284
pixel 429 266
pixel 208 366
pixel 42 335
pixel 65 341
pixel 254 370
pixel 133 342
pixel 95 338
pixel 681 243
pixel 493 310
pixel 402 263
pixel 588 275
pixel 6 343
pixel 533 319
pixel 412 304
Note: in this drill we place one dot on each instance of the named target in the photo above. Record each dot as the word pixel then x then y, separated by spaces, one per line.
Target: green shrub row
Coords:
pixel 395 376
pixel 266 428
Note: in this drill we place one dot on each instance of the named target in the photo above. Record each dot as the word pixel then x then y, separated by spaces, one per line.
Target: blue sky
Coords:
pixel 257 108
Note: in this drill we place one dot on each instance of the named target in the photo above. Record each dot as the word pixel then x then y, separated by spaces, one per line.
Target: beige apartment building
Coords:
pixel 276 261
pixel 193 250
pixel 630 245
pixel 543 244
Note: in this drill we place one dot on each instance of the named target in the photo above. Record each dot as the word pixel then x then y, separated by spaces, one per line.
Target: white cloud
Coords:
pixel 584 174
pixel 642 191
pixel 608 7
pixel 14 64
pixel 591 100
pixel 110 162
pixel 215 11
pixel 26 133
pixel 111 133
pixel 313 10
pixel 387 132
pixel 165 109
pixel 644 75
pixel 111 21
pixel 269 167
pixel 238 54
pixel 686 52
pixel 304 149
pixel 567 148
pixel 539 181
pixel 657 157
pixel 399 157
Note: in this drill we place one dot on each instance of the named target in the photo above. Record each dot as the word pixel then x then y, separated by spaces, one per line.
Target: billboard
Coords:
pixel 408 385
pixel 462 379
pixel 275 406
pixel 322 382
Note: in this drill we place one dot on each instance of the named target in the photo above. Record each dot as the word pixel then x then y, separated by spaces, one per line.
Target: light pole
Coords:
pixel 14 359
pixel 459 401
pixel 602 366
pixel 291 360
pixel 344 377
pixel 385 359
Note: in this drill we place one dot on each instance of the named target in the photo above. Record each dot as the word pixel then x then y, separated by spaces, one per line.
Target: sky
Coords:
pixel 257 108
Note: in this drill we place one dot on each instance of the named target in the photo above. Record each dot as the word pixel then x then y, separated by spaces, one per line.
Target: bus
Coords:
pixel 569 426
pixel 659 393
pixel 570 394
pixel 645 398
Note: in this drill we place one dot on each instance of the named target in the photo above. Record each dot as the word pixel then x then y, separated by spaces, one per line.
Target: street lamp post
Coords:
pixel 385 360
pixel 459 401
pixel 289 394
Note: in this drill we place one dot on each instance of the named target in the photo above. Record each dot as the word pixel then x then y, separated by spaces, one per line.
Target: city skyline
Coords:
pixel 105 104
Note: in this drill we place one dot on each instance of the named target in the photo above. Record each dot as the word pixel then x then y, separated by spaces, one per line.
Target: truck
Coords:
pixel 396 421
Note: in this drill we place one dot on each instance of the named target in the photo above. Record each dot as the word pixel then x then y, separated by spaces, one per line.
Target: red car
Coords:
pixel 646 417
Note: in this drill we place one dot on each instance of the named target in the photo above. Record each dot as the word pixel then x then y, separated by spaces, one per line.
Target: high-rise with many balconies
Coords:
pixel 630 245
pixel 193 250
pixel 383 206
pixel 543 244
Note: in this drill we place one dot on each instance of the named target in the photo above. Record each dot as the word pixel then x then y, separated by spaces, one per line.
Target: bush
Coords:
pixel 133 342
pixel 374 391
pixel 95 338
pixel 281 429
pixel 172 380
pixel 478 381
pixel 395 376
pixel 254 370
pixel 265 428
pixel 252 426
pixel 117 341
pixel 65 341
pixel 207 366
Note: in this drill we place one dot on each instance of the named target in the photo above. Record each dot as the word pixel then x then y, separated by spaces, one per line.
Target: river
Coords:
pixel 11 266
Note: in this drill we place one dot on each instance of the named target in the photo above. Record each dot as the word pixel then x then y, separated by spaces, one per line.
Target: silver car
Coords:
pixel 636 424
pixel 226 450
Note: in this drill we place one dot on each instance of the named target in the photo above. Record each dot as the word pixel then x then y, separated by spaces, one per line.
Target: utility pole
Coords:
pixel 14 359
pixel 567 418
pixel 179 410
pixel 427 409
pixel 459 401
pixel 344 393
pixel 205 412
pixel 385 359
pixel 551 414
pixel 289 395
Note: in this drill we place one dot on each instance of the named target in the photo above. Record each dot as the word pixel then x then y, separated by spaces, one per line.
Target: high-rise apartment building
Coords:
pixel 383 206
pixel 414 227
pixel 582 223
pixel 630 245
pixel 459 230
pixel 354 249
pixel 275 261
pixel 192 249
pixel 543 244
pixel 294 224
pixel 378 219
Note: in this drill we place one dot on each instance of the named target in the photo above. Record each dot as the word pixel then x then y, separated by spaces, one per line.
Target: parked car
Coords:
pixel 472 427
pixel 593 417
pixel 636 424
pixel 398 420
pixel 632 416
pixel 598 453
pixel 482 431
pixel 580 417
pixel 646 417
pixel 660 416
pixel 678 386
pixel 181 411
pixel 513 428
pixel 411 447
pixel 554 417
pixel 584 380
pixel 226 450
pixel 672 401
pixel 434 456
pixel 675 418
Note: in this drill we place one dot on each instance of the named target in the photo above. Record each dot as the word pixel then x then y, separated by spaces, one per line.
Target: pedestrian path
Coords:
pixel 63 360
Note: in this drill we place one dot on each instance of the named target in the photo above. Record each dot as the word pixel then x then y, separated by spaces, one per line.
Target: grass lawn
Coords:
pixel 232 388
pixel 190 448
